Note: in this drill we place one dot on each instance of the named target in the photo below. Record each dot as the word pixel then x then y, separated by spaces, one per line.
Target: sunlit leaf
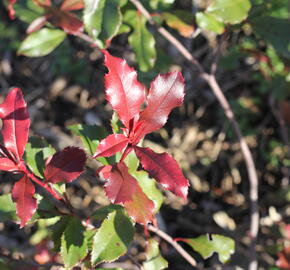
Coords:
pixel 7 208
pixel 154 260
pixel 209 22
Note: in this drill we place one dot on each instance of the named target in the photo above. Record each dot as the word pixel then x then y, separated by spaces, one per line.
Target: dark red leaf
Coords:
pixel 16 122
pixel 22 193
pixel 65 166
pixel 284 259
pixel 166 92
pixel 111 145
pixel 120 185
pixel 123 91
pixel 141 208
pixel 66 20
pixel 7 165
pixel 164 169
pixel 72 5
pixel 36 24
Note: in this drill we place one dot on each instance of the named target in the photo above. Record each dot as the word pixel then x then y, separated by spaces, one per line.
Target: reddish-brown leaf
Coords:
pixel 23 194
pixel 7 165
pixel 141 208
pixel 164 169
pixel 72 5
pixel 111 145
pixel 16 122
pixel 123 91
pixel 166 92
pixel 65 166
pixel 64 19
pixel 36 24
pixel 120 185
pixel 284 259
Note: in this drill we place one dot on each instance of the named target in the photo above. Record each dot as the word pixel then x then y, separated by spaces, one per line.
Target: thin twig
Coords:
pixel 169 240
pixel 250 165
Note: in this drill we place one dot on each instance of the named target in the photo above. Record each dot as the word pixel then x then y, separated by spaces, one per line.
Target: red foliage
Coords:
pixel 284 259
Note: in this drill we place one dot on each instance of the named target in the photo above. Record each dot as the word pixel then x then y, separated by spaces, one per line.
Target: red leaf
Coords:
pixel 7 165
pixel 22 193
pixel 164 169
pixel 141 208
pixel 16 122
pixel 166 92
pixel 11 10
pixel 111 145
pixel 123 91
pixel 66 20
pixel 120 185
pixel 72 5
pixel 65 166
pixel 284 259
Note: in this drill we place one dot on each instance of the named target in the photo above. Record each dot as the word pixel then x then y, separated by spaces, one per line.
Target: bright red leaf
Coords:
pixel 120 185
pixel 23 194
pixel 72 5
pixel 164 169
pixel 111 145
pixel 7 165
pixel 11 10
pixel 65 166
pixel 166 92
pixel 141 208
pixel 16 122
pixel 123 91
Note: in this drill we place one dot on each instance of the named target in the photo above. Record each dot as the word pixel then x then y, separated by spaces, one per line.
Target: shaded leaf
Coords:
pixel 73 243
pixel 164 169
pixel 57 231
pixel 112 238
pixel 36 152
pixel 275 31
pixel 41 42
pixel 111 145
pixel 207 244
pixel 230 11
pixel 96 20
pixel 180 20
pixel 120 185
pixel 209 22
pixel 123 91
pixel 7 208
pixel 101 213
pixel 166 92
pixel 23 194
pixel 141 208
pixel 141 40
pixel 65 165
pixel 15 123
pixel 154 260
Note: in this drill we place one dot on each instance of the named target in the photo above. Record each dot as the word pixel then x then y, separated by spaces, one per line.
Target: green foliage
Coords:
pixel 207 244
pixel 209 22
pixel 154 260
pixel 115 234
pixel 7 208
pixel 41 42
pixel 73 243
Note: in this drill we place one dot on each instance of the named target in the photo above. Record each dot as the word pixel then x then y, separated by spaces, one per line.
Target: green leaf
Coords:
pixel 73 243
pixel 154 260
pixel 7 208
pixel 41 42
pixel 180 20
pixel 275 31
pixel 207 244
pixel 37 150
pixel 113 237
pixel 101 213
pixel 141 40
pixel 209 22
pixel 57 231
pixel 230 11
pixel 102 18
pixel 149 187
pixel 91 136
pixel 116 124
pixel 4 266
